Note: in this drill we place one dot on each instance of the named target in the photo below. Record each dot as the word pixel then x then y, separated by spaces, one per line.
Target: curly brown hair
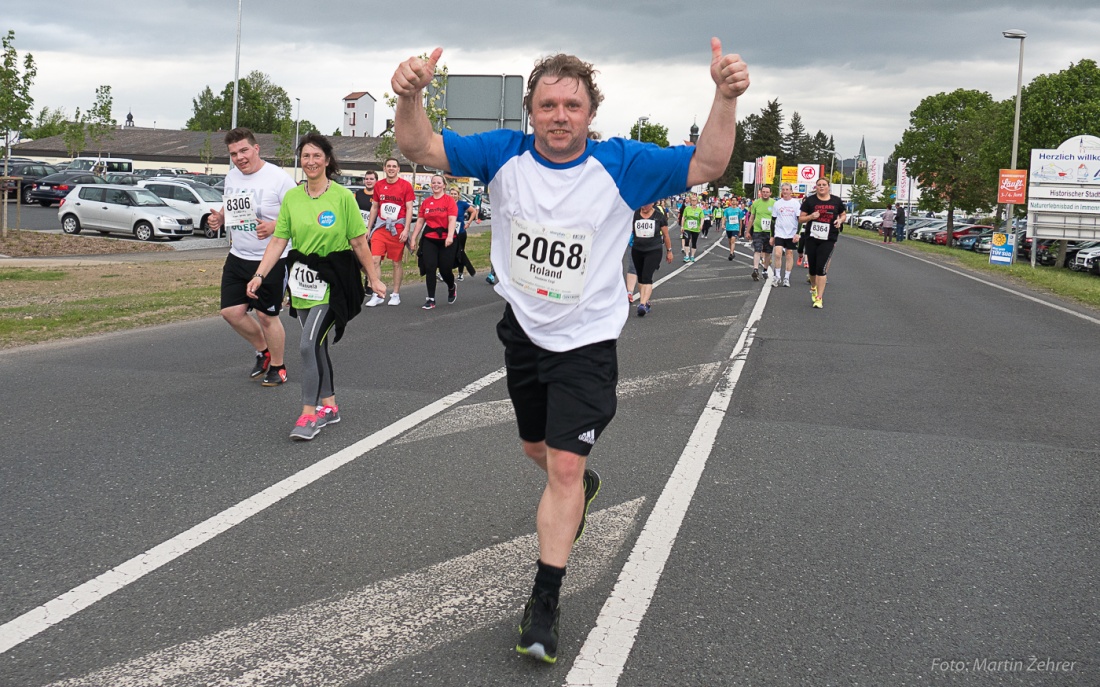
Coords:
pixel 562 66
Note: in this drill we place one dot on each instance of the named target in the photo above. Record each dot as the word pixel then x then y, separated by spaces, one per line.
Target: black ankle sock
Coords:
pixel 278 367
pixel 548 579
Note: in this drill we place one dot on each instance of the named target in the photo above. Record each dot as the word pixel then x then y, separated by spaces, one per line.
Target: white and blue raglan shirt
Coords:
pixel 561 229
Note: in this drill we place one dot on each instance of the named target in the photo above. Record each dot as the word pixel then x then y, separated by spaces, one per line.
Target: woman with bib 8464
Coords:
pixel 322 221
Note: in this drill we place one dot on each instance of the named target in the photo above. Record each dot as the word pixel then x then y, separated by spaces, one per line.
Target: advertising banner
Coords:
pixel 769 169
pixel 809 174
pixel 1012 187
pixel 748 173
pixel 789 175
pixel 875 164
pixel 1000 250
pixel 903 181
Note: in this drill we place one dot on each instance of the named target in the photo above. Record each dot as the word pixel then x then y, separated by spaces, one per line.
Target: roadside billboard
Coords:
pixel 1063 196
pixel 903 181
pixel 875 165
pixel 748 173
pixel 789 175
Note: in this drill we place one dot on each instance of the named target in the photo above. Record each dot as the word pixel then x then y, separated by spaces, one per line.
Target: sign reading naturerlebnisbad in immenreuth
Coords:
pixel 1064 193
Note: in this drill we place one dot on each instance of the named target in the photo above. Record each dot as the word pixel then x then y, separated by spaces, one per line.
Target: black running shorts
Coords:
pixel 236 274
pixel 646 263
pixel 566 399
pixel 819 253
pixel 789 244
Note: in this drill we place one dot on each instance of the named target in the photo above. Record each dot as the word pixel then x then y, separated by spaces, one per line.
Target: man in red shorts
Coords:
pixel 389 225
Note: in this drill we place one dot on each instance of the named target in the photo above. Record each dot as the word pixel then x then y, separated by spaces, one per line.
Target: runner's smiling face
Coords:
pixel 561 117
pixel 245 156
pixel 313 162
pixel 822 187
pixel 392 169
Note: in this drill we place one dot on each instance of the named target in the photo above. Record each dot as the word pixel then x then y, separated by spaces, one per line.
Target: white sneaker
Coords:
pixel 775 282
pixel 395 299
pixel 786 281
pixel 375 299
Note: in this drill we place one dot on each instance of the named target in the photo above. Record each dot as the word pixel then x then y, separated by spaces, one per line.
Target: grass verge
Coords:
pixel 40 304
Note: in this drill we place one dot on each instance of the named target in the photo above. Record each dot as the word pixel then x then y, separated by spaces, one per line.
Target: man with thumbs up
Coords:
pixel 567 203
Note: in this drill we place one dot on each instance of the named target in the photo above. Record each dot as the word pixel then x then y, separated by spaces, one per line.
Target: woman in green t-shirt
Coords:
pixel 321 220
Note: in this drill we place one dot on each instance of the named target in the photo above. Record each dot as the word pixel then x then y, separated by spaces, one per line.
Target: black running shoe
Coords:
pixel 452 294
pixel 263 361
pixel 274 377
pixel 538 631
pixel 429 304
pixel 592 484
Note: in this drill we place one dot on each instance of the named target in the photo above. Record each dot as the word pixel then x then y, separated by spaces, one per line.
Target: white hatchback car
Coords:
pixel 197 200
pixel 128 209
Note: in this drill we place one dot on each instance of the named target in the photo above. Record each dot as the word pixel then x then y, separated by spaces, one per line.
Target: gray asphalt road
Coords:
pixel 905 483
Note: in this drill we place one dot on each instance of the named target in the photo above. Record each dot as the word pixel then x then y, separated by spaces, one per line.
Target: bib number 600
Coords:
pixel 542 251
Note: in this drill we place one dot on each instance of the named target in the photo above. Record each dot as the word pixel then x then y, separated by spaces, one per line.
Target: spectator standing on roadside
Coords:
pixel 562 321
pixel 254 192
pixel 888 225
pixel 899 223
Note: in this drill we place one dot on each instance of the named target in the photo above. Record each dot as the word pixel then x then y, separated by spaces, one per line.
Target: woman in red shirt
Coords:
pixel 436 222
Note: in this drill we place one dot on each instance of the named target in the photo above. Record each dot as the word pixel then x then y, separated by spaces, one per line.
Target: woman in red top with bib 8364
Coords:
pixel 437 222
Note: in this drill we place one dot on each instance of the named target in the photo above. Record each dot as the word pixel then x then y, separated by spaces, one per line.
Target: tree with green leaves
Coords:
pixel 15 100
pixel 206 152
pixel 48 123
pixel 862 192
pixel 944 142
pixel 99 119
pixel 767 132
pixel 261 106
pixel 338 132
pixel 652 132
pixel 797 145
pixel 74 135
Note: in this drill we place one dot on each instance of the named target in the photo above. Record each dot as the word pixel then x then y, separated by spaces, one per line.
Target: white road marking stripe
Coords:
pixel 478 415
pixel 604 654
pixel 1014 292
pixel 343 639
pixel 77 599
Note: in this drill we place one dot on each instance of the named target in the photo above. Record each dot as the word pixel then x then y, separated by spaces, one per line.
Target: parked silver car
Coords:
pixel 127 209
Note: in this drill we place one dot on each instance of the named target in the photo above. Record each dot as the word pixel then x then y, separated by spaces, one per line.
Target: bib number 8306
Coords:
pixel 541 251
pixel 238 203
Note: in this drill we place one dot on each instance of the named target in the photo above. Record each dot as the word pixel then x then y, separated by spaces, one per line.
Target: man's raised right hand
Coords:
pixel 414 74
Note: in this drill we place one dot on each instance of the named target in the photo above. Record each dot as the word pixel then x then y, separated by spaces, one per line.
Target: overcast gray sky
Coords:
pixel 853 70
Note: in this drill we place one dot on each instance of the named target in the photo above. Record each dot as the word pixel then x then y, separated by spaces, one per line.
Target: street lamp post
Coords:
pixel 1019 35
pixel 641 121
pixel 237 66
pixel 297 120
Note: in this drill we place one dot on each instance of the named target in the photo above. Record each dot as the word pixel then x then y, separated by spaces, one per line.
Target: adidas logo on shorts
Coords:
pixel 588 437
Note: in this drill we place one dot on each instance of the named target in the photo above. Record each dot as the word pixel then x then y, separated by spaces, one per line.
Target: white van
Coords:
pixel 109 164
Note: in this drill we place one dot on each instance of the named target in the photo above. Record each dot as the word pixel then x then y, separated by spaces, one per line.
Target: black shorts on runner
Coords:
pixel 761 242
pixel 730 233
pixel 566 399
pixel 819 253
pixel 789 244
pixel 236 274
pixel 645 263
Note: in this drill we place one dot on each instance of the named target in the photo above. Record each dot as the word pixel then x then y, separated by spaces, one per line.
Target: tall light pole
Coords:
pixel 641 120
pixel 297 120
pixel 237 67
pixel 1019 35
